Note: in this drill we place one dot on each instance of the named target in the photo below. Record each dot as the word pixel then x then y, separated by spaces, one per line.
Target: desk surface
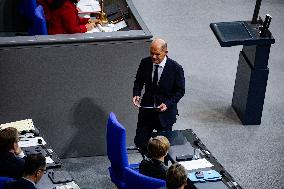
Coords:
pixel 185 142
pixel 45 150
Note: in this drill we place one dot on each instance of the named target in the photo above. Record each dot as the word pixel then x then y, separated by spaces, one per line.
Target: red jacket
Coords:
pixel 66 20
pixel 45 4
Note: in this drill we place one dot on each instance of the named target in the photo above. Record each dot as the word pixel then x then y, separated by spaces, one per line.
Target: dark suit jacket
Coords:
pixel 153 168
pixel 19 184
pixel 171 88
pixel 10 165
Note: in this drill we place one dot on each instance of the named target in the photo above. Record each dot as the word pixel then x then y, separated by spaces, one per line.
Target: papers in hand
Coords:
pixel 149 107
pixel 22 125
pixel 196 164
pixel 27 142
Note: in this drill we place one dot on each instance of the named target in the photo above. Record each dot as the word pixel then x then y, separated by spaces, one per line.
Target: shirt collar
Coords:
pixel 29 180
pixel 162 64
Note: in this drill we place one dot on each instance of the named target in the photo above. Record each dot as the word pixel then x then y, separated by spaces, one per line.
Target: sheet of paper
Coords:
pixel 26 135
pixel 100 28
pixel 120 25
pixel 88 6
pixel 48 160
pixel 110 28
pixel 69 185
pixel 22 125
pixel 27 142
pixel 49 150
pixel 196 164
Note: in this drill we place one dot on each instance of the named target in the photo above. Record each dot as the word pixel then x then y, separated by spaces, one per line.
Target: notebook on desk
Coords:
pixel 179 151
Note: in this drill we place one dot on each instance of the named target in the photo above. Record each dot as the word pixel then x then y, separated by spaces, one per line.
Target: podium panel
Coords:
pixel 249 91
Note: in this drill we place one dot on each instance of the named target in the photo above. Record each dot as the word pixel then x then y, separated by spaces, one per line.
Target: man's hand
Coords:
pixel 136 101
pixel 163 107
pixel 89 26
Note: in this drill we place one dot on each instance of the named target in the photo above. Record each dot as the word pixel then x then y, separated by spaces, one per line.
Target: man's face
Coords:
pixel 157 54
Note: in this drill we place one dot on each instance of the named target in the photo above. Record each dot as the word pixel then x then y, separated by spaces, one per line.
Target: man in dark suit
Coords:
pixel 164 83
pixel 11 156
pixel 33 171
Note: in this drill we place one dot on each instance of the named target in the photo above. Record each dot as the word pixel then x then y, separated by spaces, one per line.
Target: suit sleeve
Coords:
pixel 179 87
pixel 70 22
pixel 139 81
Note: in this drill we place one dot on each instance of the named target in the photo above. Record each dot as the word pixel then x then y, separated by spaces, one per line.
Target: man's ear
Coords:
pixel 37 173
pixel 15 145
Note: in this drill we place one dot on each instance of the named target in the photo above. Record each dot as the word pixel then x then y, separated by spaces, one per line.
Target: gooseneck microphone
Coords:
pixel 256 11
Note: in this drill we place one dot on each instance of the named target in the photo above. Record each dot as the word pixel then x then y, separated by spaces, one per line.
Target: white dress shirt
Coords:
pixel 160 68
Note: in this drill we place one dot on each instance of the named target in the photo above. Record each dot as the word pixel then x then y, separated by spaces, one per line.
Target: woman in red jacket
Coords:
pixel 64 18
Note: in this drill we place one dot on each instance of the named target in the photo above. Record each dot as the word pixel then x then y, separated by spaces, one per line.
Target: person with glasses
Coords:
pixel 11 155
pixel 33 171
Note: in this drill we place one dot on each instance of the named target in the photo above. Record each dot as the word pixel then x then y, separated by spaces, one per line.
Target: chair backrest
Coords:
pixel 116 149
pixel 3 180
pixel 27 8
pixel 137 180
pixel 38 27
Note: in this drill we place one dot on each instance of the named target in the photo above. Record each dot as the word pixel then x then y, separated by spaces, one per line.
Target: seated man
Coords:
pixel 158 148
pixel 33 171
pixel 11 155
pixel 176 177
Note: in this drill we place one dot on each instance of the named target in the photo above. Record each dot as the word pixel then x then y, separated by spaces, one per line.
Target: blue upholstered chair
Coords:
pixel 27 8
pixel 117 152
pixel 38 25
pixel 136 180
pixel 3 180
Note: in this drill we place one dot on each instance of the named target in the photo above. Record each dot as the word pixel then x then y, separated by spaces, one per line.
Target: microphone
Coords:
pixel 232 183
pixel 256 11
pixel 265 26
pixel 205 152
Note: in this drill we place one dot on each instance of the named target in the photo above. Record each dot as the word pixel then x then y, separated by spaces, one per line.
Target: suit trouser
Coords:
pixel 148 120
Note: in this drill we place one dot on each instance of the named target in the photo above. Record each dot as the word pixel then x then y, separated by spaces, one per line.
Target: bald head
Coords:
pixel 159 43
pixel 158 50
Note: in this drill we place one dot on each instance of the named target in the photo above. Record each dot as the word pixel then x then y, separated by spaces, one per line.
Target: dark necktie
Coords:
pixel 155 77
pixel 155 84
